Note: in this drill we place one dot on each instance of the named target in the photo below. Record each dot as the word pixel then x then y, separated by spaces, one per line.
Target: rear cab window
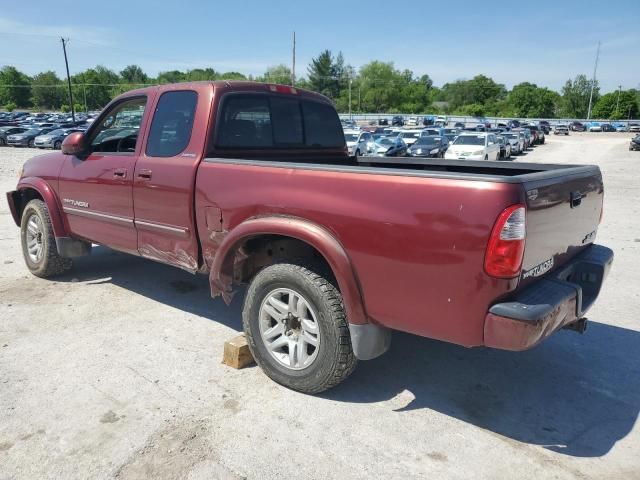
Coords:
pixel 249 121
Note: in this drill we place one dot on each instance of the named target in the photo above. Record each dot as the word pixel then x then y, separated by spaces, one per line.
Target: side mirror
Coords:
pixel 74 144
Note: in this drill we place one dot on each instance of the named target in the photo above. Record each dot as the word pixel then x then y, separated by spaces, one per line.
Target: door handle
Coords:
pixel 575 199
pixel 144 173
pixel 120 172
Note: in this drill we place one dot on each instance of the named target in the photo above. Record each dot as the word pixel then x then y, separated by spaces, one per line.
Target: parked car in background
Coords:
pixel 349 125
pixel 459 125
pixel 607 127
pixel 451 131
pixel 6 131
pixel 513 124
pixel 537 132
pixel 635 143
pixel 577 126
pixel 528 139
pixel 412 121
pixel 561 130
pixel 634 127
pixel 383 121
pixel 505 148
pixel 620 127
pixel 450 137
pixel 544 126
pixel 474 146
pixel 440 121
pixel 516 140
pixel 26 138
pixel 410 136
pixel 397 121
pixel 390 147
pixel 594 127
pixel 429 147
pixel 54 138
pixel 437 131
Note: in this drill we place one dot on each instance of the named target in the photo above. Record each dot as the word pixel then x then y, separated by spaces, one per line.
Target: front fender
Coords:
pixel 221 274
pixel 50 199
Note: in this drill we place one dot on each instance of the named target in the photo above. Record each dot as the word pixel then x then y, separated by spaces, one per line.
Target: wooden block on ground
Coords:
pixel 236 352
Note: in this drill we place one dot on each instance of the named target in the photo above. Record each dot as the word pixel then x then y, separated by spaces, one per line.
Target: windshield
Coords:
pixel 351 137
pixel 469 140
pixel 450 137
pixel 511 135
pixel 384 141
pixel 59 131
pixel 33 131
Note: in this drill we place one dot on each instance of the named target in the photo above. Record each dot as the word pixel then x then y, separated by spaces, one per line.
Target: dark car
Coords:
pixel 607 127
pixel 383 121
pixel 635 143
pixel 397 121
pixel 538 133
pixel 430 146
pixel 6 131
pixel 545 126
pixel 577 127
pixel 505 148
pixel 391 146
pixel 459 125
pixel 513 124
pixel 26 138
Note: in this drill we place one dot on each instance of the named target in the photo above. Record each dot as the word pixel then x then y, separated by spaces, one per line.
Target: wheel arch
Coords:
pixel 37 188
pixel 232 253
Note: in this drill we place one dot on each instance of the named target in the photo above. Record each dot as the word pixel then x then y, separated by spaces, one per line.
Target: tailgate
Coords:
pixel 563 214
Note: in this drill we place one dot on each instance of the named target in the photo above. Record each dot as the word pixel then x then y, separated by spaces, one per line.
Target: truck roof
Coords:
pixel 235 85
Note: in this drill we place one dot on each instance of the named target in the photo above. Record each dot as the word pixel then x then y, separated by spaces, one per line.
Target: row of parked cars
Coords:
pixel 457 143
pixel 40 130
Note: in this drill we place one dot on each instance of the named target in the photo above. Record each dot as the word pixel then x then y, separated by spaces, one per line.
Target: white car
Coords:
pixel 474 146
pixel 594 127
pixel 516 139
pixel 410 136
pixel 359 143
pixel 412 121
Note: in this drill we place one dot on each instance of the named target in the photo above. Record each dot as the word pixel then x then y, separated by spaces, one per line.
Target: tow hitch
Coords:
pixel 579 325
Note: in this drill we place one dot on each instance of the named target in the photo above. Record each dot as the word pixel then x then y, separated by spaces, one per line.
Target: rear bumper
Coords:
pixel 549 304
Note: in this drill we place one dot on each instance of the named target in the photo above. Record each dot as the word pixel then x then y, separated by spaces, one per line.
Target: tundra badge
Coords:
pixel 75 203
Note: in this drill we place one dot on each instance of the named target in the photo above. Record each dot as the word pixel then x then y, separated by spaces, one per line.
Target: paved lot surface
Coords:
pixel 114 371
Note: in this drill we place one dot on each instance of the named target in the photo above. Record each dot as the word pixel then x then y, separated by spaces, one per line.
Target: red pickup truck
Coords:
pixel 251 184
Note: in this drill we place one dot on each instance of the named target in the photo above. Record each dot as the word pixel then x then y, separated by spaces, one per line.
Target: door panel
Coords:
pixel 96 189
pixel 164 179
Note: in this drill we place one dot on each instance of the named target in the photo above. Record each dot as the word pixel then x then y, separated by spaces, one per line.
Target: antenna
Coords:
pixel 593 82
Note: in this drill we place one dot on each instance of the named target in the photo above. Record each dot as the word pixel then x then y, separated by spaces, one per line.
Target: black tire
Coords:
pixel 57 144
pixel 357 155
pixel 50 263
pixel 335 359
pixel 2 142
pixel 30 143
pixel 486 157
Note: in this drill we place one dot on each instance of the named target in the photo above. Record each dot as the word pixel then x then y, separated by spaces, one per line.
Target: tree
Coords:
pixel 133 74
pixel 321 73
pixel 199 74
pixel 617 105
pixel 173 76
pixel 575 96
pixel 277 74
pixel 98 85
pixel 14 87
pixel 480 90
pixel 232 76
pixel 528 100
pixel 48 91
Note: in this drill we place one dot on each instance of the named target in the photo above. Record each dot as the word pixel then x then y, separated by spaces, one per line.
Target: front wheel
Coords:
pixel 38 243
pixel 296 327
pixel 57 145
pixel 30 143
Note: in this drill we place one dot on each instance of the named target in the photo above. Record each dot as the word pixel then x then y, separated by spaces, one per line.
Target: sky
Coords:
pixel 539 42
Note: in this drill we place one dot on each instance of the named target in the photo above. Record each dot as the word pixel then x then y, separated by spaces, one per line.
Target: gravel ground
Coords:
pixel 114 371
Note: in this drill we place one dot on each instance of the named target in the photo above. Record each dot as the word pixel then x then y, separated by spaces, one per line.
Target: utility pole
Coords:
pixel 593 82
pixel 66 63
pixel 293 67
pixel 618 102
pixel 350 82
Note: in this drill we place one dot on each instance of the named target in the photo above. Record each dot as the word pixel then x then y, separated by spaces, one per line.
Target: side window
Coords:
pixel 172 123
pixel 119 129
pixel 245 123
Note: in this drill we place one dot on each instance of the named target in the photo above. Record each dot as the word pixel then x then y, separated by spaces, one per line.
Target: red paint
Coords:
pixel 407 251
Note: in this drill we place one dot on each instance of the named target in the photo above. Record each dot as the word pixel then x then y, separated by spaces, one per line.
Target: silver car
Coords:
pixel 54 138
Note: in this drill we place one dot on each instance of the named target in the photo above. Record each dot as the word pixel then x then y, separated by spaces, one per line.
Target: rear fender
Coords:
pixel 222 268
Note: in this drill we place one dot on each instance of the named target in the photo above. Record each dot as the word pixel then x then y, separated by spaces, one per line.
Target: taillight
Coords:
pixel 283 89
pixel 505 249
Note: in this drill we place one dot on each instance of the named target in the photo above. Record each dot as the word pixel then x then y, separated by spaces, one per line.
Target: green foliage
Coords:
pixel 280 74
pixel 14 87
pixel 10 106
pixel 48 90
pixel 529 100
pixel 133 74
pixel 575 96
pixel 617 105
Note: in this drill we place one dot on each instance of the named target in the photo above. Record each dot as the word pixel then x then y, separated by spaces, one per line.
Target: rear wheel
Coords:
pixel 39 244
pixel 30 143
pixel 57 145
pixel 296 327
pixel 2 142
